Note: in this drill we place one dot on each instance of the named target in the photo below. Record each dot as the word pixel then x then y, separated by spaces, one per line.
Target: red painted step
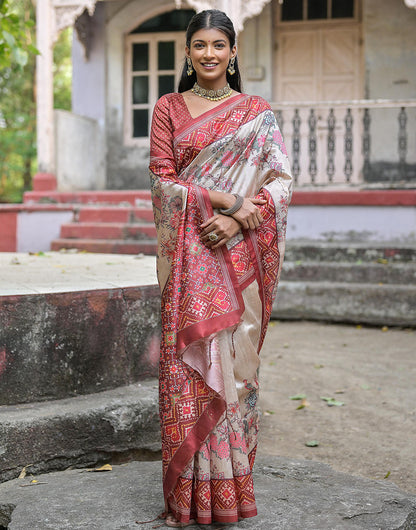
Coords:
pixel 133 197
pixel 108 231
pixel 113 214
pixel 105 246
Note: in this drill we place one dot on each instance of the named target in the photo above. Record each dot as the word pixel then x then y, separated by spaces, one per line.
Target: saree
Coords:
pixel 215 304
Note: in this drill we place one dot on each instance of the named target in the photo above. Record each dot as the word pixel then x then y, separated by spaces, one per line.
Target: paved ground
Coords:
pixel 291 495
pixel 373 372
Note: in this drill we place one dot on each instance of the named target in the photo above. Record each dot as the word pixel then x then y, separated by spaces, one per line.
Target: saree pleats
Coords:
pixel 217 483
pixel 215 303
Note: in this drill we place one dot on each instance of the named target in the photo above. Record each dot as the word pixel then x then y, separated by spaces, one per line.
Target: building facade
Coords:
pixel 339 74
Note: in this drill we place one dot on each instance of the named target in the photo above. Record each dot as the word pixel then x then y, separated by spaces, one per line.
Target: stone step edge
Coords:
pixel 79 431
pixel 88 197
pixel 350 264
pixel 352 286
pixel 370 245
pixel 347 273
pixel 107 246
pixel 109 241
pixel 108 231
pixel 352 303
pixel 109 224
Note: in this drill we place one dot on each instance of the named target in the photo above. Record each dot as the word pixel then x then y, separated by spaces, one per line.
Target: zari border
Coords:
pixel 200 120
pixel 205 424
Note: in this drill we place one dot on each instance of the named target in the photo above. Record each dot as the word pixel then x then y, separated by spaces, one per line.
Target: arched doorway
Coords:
pixel 153 61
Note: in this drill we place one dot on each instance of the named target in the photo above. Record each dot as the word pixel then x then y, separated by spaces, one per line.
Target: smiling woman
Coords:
pixel 221 186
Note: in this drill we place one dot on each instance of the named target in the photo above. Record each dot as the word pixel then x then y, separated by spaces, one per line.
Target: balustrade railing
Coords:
pixel 357 142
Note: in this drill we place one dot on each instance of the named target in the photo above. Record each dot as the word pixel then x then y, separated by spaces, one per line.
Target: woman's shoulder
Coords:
pixel 258 102
pixel 167 99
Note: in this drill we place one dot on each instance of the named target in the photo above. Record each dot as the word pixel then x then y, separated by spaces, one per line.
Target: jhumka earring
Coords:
pixel 190 70
pixel 231 69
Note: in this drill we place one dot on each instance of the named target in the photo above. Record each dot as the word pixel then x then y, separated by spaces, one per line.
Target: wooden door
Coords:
pixel 320 63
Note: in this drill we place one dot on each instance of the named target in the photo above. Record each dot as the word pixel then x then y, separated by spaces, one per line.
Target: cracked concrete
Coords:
pixel 291 495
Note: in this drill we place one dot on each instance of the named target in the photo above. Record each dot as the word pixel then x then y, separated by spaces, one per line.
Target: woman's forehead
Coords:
pixel 209 34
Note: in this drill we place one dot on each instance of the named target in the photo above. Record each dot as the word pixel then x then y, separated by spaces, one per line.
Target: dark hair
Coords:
pixel 211 18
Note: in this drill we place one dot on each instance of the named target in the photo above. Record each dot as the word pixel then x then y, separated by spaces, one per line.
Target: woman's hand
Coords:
pixel 224 226
pixel 249 215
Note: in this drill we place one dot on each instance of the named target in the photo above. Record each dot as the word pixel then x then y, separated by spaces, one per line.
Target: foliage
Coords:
pixel 17 108
pixel 62 71
pixel 18 104
pixel 15 32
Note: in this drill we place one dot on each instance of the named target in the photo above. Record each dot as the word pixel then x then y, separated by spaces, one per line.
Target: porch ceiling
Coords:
pixel 67 11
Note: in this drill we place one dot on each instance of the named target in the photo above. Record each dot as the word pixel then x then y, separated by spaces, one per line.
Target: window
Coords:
pixel 154 61
pixel 300 10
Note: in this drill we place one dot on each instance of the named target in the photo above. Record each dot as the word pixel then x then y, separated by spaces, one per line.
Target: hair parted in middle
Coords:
pixel 210 19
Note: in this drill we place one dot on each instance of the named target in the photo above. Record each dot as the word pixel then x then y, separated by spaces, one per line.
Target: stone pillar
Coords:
pixel 44 87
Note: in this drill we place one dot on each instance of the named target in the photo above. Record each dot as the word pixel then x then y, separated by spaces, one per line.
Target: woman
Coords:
pixel 220 186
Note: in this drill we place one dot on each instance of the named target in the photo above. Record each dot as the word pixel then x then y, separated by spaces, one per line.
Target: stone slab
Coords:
pixel 374 273
pixel 291 495
pixel 349 251
pixel 393 305
pixel 80 431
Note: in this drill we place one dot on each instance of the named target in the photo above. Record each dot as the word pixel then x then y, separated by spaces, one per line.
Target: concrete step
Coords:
pixel 347 302
pixel 133 197
pixel 136 231
pixel 351 252
pixel 55 345
pixel 366 272
pixel 114 214
pixel 80 431
pixel 107 246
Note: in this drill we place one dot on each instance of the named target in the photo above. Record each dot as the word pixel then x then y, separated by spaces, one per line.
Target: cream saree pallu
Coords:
pixel 215 303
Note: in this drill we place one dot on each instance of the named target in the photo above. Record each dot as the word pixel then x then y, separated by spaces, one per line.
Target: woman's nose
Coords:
pixel 209 51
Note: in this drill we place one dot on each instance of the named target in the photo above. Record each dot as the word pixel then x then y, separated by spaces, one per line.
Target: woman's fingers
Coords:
pixel 208 221
pixel 224 228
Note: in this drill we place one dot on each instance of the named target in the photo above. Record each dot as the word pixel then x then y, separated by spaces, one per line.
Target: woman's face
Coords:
pixel 210 53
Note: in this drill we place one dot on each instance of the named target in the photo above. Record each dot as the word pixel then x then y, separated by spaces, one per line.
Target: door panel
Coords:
pixel 298 54
pixel 320 64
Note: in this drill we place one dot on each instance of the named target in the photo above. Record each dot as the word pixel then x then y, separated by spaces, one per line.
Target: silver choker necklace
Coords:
pixel 212 95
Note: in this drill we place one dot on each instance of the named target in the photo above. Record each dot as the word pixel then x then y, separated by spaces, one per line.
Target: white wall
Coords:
pixel 80 155
pixel 88 77
pixel 88 100
pixel 389 30
pixel 255 47
pixel 37 230
pixel 352 223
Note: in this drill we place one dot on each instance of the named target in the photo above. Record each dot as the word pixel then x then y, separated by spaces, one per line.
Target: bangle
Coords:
pixel 235 207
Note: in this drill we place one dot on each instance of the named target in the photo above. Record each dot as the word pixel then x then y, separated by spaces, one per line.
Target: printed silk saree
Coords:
pixel 216 304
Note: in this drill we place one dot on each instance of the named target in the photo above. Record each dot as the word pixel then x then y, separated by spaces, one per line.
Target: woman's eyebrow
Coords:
pixel 215 41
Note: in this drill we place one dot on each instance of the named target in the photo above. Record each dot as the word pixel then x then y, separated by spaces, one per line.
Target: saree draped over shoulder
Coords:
pixel 216 304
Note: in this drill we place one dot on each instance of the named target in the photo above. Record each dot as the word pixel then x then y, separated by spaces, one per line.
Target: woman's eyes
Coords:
pixel 199 46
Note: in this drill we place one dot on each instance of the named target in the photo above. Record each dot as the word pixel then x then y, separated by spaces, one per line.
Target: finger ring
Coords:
pixel 212 236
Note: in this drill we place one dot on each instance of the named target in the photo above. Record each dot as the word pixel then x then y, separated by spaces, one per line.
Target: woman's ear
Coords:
pixel 187 51
pixel 234 51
